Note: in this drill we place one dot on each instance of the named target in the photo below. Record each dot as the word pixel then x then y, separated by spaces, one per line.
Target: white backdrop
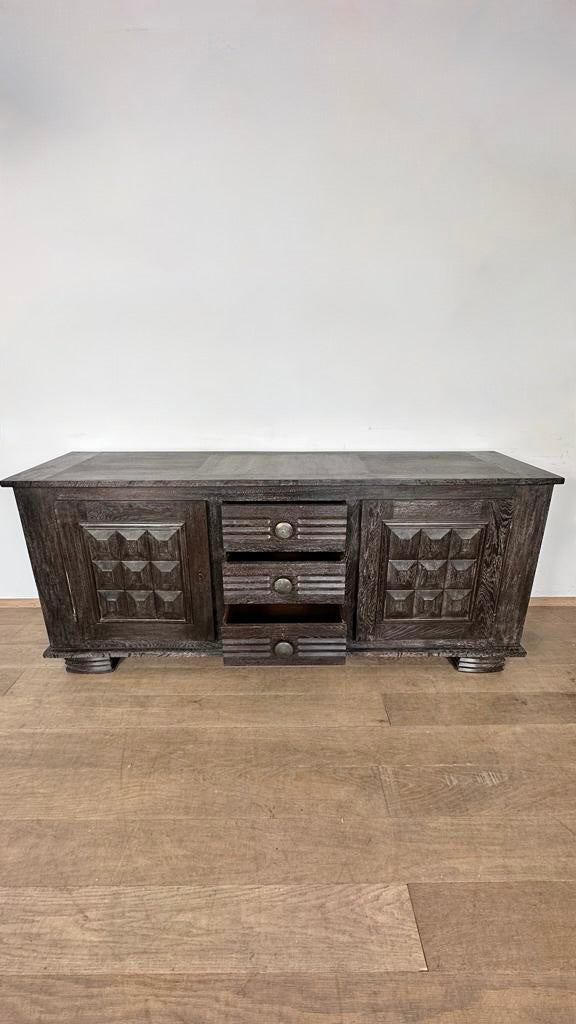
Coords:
pixel 289 224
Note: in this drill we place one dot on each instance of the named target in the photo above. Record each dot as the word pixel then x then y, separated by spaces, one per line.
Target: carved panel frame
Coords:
pixel 408 610
pixel 125 596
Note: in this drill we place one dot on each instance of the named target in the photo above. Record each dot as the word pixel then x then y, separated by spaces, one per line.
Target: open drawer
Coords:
pixel 284 634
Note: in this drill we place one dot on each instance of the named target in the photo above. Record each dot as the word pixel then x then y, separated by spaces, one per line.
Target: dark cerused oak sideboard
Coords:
pixel 284 557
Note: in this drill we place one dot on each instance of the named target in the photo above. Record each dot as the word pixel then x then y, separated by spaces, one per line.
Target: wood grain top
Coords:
pixel 124 469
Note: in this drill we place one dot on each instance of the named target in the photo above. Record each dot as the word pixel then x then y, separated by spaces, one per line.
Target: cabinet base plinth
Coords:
pixel 90 663
pixel 479 663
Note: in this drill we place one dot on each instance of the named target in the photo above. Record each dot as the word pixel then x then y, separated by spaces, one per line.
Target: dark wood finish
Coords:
pixel 313 581
pixel 478 663
pixel 138 570
pixel 531 506
pixel 159 469
pixel 301 643
pixel 431 570
pixel 154 553
pixel 89 663
pixel 315 527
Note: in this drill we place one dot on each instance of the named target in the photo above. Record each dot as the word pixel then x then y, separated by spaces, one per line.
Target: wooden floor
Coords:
pixel 389 843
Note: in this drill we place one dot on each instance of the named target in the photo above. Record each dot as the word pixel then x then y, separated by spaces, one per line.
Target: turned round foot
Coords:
pixel 478 663
pixel 85 663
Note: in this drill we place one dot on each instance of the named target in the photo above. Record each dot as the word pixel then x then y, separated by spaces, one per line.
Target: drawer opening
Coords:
pixel 284 556
pixel 261 614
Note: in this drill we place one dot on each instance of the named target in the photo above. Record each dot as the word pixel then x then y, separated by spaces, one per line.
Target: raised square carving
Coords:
pixel 108 574
pixel 431 573
pixel 461 573
pixel 404 541
pixel 399 604
pixel 166 575
pixel 456 604
pixel 425 576
pixel 434 542
pixel 137 571
pixel 169 604
pixel 163 542
pixel 137 575
pixel 427 604
pixel 103 542
pixel 113 604
pixel 140 604
pixel 131 542
pixel 116 542
pixel 402 573
pixel 465 541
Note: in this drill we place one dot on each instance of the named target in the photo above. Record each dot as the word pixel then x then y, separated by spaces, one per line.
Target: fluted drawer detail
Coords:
pixel 312 643
pixel 313 582
pixel 316 527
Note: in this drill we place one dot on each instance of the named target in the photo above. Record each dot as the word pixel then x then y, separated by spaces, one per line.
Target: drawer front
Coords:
pixel 284 582
pixel 304 643
pixel 284 527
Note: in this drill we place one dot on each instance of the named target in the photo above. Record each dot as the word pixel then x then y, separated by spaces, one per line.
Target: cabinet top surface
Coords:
pixel 125 469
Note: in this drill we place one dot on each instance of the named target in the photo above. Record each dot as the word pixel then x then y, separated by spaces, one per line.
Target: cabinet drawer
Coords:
pixel 281 582
pixel 274 641
pixel 284 527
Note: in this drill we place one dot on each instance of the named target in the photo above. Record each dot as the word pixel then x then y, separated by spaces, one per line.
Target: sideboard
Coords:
pixel 276 558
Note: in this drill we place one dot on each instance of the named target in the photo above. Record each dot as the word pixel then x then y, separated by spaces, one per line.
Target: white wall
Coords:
pixel 289 223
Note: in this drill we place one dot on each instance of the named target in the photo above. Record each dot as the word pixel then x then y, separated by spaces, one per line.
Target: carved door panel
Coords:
pixel 138 570
pixel 431 570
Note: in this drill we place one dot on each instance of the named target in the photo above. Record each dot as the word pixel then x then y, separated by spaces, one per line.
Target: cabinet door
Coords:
pixel 431 570
pixel 138 571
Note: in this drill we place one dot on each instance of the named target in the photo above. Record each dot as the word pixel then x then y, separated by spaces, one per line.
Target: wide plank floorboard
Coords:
pixel 343 998
pixel 385 842
pixel 480 708
pixel 476 789
pixel 158 711
pixel 179 748
pixel 241 791
pixel 497 926
pixel 197 929
pixel 356 849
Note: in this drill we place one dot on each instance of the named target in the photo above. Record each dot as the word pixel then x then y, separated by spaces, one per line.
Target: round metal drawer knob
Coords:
pixel 283 585
pixel 284 530
pixel 283 649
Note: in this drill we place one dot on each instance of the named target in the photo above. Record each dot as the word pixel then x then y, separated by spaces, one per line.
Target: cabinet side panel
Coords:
pixel 522 551
pixel 38 516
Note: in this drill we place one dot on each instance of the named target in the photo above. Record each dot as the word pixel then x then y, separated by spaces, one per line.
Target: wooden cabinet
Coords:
pixel 284 558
